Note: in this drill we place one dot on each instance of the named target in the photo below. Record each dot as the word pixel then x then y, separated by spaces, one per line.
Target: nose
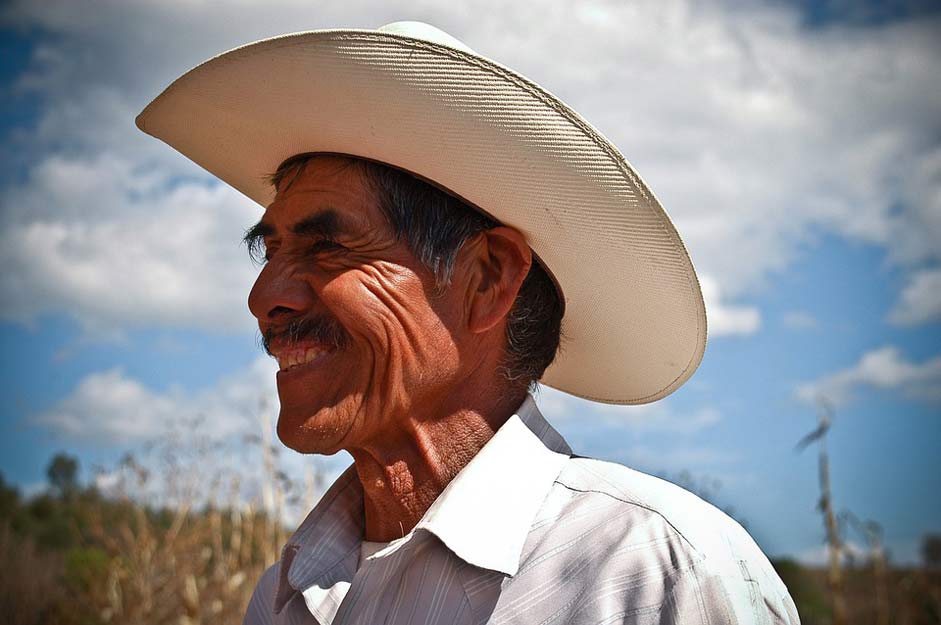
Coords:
pixel 278 293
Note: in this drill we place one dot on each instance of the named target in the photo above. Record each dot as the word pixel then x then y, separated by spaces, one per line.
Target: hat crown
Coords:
pixel 421 30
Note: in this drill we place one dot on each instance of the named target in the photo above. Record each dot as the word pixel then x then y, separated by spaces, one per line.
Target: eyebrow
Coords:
pixel 258 231
pixel 324 225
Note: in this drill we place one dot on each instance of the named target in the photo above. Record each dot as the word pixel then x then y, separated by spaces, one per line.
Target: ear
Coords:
pixel 498 262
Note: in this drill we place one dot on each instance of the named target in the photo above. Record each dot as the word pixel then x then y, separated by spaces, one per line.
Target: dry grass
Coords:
pixel 177 535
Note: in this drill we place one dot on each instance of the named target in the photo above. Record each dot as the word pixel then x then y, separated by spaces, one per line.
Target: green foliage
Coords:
pixel 931 551
pixel 63 474
pixel 29 589
pixel 85 567
pixel 809 596
pixel 9 499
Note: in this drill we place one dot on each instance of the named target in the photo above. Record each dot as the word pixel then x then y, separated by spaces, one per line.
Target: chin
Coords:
pixel 311 434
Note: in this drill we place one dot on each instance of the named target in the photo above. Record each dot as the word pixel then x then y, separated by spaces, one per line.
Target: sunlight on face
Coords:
pixel 347 310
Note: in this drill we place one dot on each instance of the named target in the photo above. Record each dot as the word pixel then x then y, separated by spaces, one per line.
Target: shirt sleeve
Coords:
pixel 735 596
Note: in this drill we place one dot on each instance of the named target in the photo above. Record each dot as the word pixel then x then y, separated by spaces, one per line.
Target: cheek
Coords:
pixel 387 306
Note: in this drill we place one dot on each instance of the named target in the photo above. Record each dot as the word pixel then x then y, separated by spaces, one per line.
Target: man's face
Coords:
pixel 348 312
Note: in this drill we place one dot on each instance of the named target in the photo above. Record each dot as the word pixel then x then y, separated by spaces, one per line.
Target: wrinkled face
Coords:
pixel 349 313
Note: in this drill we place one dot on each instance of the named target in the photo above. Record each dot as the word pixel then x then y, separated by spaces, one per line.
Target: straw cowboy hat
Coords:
pixel 412 96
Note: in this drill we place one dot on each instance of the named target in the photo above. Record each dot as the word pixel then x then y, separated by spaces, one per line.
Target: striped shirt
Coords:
pixel 527 533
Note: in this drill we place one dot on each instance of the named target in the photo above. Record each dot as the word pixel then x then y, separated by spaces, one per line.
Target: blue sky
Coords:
pixel 797 147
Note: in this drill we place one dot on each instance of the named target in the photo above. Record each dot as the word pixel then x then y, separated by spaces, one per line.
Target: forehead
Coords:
pixel 325 184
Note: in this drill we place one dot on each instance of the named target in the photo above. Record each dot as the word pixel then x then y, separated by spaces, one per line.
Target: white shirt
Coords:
pixel 527 533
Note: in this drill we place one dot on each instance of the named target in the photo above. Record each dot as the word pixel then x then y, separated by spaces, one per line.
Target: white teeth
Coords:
pixel 294 359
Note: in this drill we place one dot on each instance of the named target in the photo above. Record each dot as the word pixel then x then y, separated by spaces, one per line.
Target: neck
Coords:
pixel 404 475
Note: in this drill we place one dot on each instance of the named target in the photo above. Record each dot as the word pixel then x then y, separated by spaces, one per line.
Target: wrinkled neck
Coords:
pixel 404 473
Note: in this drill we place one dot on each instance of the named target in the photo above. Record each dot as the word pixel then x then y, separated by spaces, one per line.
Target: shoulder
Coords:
pixel 261 606
pixel 657 546
pixel 642 501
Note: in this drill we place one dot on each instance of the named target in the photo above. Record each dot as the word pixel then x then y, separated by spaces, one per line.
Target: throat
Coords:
pixel 403 477
pixel 393 503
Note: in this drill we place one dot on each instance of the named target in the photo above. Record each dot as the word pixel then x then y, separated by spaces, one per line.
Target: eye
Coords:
pixel 325 245
pixel 266 252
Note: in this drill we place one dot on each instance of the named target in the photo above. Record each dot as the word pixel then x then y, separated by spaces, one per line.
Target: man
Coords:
pixel 431 218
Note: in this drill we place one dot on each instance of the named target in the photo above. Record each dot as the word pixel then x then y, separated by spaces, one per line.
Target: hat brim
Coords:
pixel 635 322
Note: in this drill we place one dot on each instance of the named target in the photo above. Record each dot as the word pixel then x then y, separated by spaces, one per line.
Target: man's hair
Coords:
pixel 435 224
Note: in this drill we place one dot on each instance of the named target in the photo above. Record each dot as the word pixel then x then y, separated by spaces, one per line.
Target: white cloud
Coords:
pixel 118 248
pixel 725 319
pixel 920 301
pixel 113 408
pixel 799 320
pixel 758 135
pixel 659 416
pixel 885 369
pixel 200 444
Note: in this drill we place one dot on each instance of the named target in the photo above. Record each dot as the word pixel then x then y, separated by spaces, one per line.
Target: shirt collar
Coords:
pixel 484 514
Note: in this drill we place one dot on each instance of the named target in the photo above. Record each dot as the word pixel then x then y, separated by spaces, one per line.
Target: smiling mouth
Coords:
pixel 294 358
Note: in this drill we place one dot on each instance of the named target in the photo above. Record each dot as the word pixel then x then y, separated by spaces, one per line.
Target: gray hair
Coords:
pixel 435 224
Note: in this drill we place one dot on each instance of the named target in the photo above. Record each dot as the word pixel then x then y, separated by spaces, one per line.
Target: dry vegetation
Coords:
pixel 177 536
pixel 847 592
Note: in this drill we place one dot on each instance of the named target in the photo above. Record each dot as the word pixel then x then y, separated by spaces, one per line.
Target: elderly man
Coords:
pixel 430 219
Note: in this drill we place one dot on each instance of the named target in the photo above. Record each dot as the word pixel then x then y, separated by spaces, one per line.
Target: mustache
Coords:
pixel 323 330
